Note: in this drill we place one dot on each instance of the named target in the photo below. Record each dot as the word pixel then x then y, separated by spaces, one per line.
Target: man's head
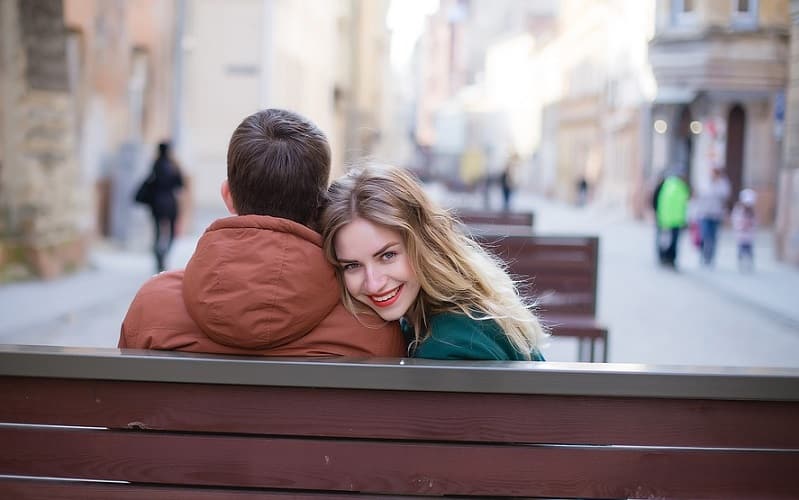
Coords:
pixel 278 164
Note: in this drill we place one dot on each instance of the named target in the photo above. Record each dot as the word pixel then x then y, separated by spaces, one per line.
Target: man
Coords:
pixel 672 205
pixel 258 283
pixel 714 209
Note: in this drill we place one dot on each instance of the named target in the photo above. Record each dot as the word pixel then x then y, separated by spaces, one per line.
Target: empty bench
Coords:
pixel 104 423
pixel 488 222
pixel 561 274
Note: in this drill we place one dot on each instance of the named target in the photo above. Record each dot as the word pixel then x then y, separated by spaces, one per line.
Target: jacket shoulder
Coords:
pixel 157 317
pixel 456 336
pixel 341 333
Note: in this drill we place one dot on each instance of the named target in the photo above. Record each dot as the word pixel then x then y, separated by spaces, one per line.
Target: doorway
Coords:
pixel 684 143
pixel 736 133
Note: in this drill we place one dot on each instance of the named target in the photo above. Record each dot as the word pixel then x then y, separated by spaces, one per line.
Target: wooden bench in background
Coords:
pixel 561 273
pixel 488 222
pixel 146 425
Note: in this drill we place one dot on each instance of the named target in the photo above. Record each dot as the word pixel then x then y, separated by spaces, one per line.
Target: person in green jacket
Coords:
pixel 672 207
pixel 400 255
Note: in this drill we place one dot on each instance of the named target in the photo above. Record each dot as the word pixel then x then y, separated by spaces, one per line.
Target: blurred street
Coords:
pixel 695 316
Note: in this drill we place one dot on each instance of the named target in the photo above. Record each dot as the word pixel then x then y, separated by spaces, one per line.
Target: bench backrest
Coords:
pixel 487 222
pixel 558 271
pixel 210 427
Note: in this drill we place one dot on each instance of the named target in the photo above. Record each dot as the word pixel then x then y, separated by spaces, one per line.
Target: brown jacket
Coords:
pixel 255 285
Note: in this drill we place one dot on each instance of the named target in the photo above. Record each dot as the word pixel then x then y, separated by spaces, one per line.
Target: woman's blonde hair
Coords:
pixel 455 273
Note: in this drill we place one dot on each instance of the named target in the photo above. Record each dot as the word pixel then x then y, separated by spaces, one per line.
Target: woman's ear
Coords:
pixel 225 192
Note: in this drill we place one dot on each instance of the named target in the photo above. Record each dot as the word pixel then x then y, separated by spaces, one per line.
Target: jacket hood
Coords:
pixel 258 282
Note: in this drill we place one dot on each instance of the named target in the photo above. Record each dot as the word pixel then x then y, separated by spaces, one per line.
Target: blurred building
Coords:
pixel 84 84
pixel 721 70
pixel 787 117
pixel 455 110
pixel 595 84
pixel 89 87
pixel 564 84
pixel 324 59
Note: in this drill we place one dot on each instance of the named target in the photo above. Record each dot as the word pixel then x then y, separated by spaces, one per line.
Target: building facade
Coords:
pixel 787 222
pixel 89 87
pixel 465 126
pixel 321 59
pixel 721 73
pixel 596 83
pixel 83 85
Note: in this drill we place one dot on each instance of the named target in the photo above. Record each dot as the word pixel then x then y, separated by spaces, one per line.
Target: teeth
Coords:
pixel 386 297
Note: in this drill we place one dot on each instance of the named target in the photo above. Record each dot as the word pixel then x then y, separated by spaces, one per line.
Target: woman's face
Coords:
pixel 376 269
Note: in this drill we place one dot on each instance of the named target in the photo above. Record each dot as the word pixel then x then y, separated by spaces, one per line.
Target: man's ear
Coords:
pixel 225 192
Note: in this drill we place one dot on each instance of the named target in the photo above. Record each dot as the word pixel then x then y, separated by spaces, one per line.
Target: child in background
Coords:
pixel 743 222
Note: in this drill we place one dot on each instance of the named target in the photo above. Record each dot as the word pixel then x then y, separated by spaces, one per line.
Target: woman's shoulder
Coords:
pixel 457 336
pixel 453 323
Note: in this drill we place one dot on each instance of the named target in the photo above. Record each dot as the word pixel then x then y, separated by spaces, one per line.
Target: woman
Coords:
pixel 165 179
pixel 405 258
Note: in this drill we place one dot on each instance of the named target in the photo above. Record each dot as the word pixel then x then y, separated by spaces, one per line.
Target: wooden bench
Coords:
pixel 104 423
pixel 560 272
pixel 487 222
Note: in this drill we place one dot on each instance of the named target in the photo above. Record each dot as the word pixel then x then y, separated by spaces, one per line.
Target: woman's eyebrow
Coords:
pixel 376 254
pixel 385 247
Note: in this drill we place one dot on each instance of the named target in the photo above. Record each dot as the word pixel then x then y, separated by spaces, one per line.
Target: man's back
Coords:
pixel 255 285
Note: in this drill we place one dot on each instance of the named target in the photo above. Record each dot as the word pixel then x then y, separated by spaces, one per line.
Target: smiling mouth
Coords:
pixel 387 299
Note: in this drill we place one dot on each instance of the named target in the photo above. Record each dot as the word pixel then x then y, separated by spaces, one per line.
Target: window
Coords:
pixel 683 12
pixel 743 5
pixel 744 13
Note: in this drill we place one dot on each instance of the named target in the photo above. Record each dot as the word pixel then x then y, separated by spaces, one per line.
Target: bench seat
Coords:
pixel 108 423
pixel 560 275
pixel 585 328
pixel 489 222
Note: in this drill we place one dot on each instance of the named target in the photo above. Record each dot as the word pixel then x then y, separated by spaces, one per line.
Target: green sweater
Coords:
pixel 457 336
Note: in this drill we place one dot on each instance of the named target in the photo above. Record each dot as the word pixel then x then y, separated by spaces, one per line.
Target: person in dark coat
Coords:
pixel 506 180
pixel 166 179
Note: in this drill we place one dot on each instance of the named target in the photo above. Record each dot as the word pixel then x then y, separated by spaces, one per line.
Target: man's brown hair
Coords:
pixel 278 164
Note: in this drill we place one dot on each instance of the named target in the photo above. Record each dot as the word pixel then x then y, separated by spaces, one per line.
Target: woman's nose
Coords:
pixel 375 280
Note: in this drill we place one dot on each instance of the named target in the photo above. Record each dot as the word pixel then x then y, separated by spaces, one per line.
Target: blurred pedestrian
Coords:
pixel 159 192
pixel 655 194
pixel 713 209
pixel 507 181
pixel 744 223
pixel 694 227
pixel 672 204
pixel 582 191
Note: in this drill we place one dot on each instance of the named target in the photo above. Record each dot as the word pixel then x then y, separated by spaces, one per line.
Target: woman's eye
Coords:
pixel 349 267
pixel 389 255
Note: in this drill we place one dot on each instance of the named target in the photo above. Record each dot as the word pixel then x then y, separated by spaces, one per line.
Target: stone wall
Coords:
pixel 38 181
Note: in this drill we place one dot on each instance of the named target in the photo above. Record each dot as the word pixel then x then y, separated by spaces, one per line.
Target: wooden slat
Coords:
pixel 407 374
pixel 488 218
pixel 48 489
pixel 400 414
pixel 560 272
pixel 397 468
pixel 574 326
